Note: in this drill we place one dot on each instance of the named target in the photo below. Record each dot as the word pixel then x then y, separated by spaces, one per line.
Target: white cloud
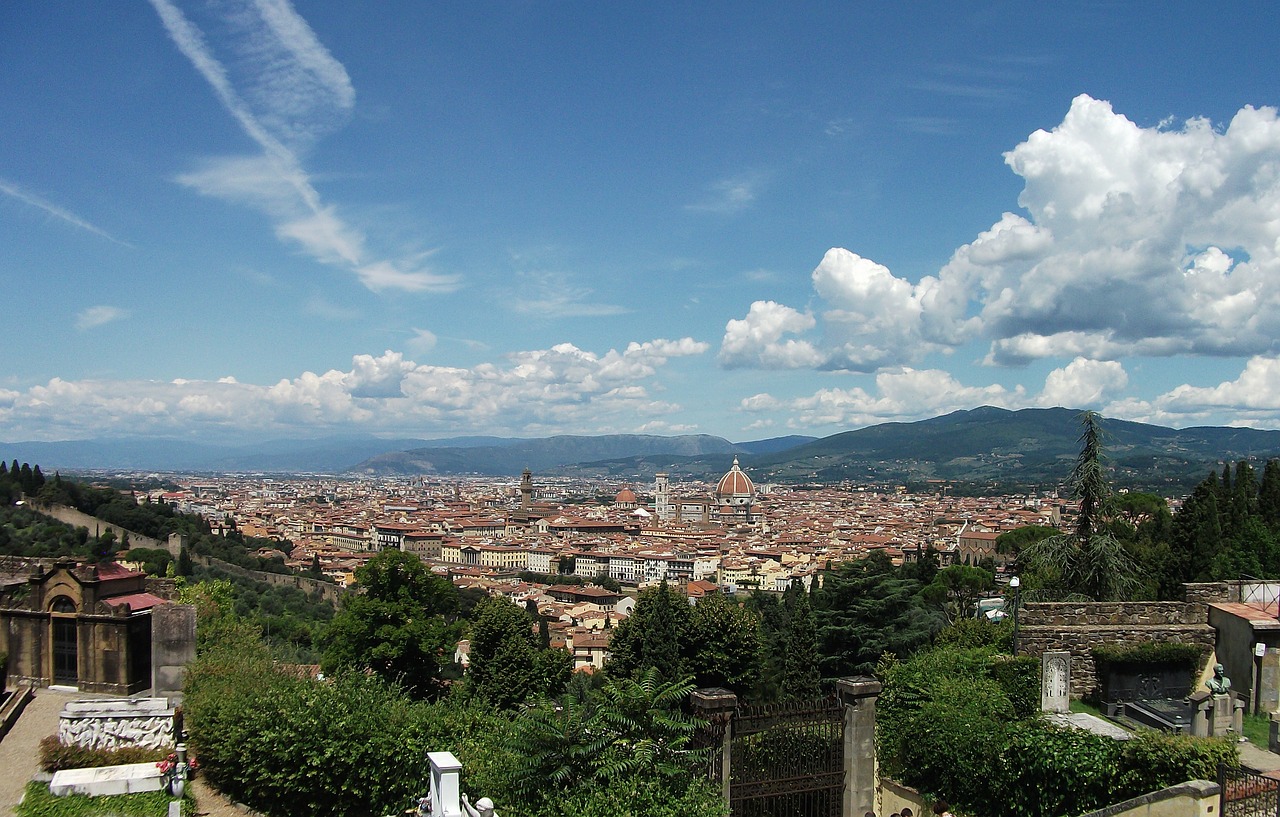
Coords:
pixel 756 340
pixel 285 90
pixel 901 394
pixel 1153 241
pixel 61 213
pixel 562 389
pixel 728 196
pixel 1082 383
pixel 423 341
pixel 96 316
pixel 1252 399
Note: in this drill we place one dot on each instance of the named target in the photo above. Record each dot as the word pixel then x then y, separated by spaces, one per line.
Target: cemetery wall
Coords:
pixel 1077 627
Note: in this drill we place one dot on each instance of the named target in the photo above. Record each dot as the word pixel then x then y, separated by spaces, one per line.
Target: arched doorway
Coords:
pixel 66 647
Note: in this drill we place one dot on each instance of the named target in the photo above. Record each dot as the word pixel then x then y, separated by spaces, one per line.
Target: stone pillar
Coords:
pixel 1237 718
pixel 173 646
pixel 446 787
pixel 1200 721
pixel 1273 736
pixel 717 706
pixel 859 698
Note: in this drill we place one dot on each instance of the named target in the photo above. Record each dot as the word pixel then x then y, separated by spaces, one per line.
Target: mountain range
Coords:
pixel 982 447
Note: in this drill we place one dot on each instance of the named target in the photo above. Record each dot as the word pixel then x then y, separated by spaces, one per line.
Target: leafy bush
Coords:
pixel 1191 656
pixel 1019 678
pixel 963 724
pixel 56 756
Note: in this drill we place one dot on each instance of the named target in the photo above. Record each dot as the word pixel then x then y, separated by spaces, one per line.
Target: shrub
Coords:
pixel 56 756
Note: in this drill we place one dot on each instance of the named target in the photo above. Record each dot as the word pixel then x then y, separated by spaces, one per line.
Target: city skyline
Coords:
pixel 249 219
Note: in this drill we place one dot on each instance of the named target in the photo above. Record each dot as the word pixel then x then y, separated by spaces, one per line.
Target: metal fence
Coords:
pixel 1247 794
pixel 788 759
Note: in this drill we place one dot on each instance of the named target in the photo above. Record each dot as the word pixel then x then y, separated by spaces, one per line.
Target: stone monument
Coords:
pixel 1055 681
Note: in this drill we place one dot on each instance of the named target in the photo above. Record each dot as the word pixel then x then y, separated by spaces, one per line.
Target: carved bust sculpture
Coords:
pixel 1219 684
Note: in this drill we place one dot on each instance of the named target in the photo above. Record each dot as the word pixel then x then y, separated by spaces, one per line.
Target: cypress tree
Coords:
pixel 1269 496
pixel 800 676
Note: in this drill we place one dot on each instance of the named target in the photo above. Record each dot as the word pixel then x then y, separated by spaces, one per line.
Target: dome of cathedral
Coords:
pixel 624 496
pixel 735 486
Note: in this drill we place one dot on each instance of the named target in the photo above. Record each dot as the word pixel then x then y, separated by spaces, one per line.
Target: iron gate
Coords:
pixel 788 759
pixel 1247 794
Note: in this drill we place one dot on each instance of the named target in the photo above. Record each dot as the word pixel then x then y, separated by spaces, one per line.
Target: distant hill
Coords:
pixel 542 455
pixel 996 446
pixel 775 444
pixel 983 448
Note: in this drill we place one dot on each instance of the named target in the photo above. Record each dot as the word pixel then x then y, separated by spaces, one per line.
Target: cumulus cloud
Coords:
pixel 285 90
pixel 757 340
pixel 1153 241
pixel 95 316
pixel 561 389
pixel 906 394
pixel 1252 399
pixel 1083 383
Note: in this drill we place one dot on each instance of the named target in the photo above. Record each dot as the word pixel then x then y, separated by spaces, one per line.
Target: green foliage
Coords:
pixel 1014 541
pixel 968 633
pixel 401 627
pixel 1090 560
pixel 962 723
pixel 636 797
pixel 508 664
pixel 1190 656
pixel 633 728
pixel 863 611
pixel 955 590
pixel 56 756
pixel 1019 679
pixel 718 640
pixel 38 801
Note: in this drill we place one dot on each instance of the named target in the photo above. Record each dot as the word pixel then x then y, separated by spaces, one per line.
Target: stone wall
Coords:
pixel 328 591
pixel 97 527
pixel 1079 627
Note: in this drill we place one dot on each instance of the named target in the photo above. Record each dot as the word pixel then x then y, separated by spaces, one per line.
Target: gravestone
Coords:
pixel 130 778
pixel 1055 681
pixel 173 646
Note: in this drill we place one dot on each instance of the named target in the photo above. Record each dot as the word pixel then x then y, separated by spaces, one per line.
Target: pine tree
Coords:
pixel 1089 561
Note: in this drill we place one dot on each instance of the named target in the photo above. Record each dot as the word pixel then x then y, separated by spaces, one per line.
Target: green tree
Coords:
pixel 800 676
pixel 400 627
pixel 956 590
pixel 1090 560
pixel 863 611
pixel 508 666
pixel 721 646
pixel 651 636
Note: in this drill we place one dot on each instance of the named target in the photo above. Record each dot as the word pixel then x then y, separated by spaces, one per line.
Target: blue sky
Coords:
pixel 231 219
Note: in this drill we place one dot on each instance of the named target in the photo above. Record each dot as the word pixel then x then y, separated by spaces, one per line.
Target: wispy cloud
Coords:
pixel 95 316
pixel 728 196
pixel 285 90
pixel 26 197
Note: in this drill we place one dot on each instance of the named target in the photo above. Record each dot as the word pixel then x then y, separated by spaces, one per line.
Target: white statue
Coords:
pixel 482 808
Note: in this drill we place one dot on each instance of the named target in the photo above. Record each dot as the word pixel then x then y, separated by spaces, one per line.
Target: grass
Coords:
pixel 1078 705
pixel 1257 728
pixel 38 802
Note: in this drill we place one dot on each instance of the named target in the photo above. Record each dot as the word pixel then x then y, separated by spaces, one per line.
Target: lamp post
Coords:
pixel 1016 584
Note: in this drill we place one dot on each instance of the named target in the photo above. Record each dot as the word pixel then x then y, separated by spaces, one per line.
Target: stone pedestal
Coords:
pixel 1223 715
pixel 717 705
pixel 859 697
